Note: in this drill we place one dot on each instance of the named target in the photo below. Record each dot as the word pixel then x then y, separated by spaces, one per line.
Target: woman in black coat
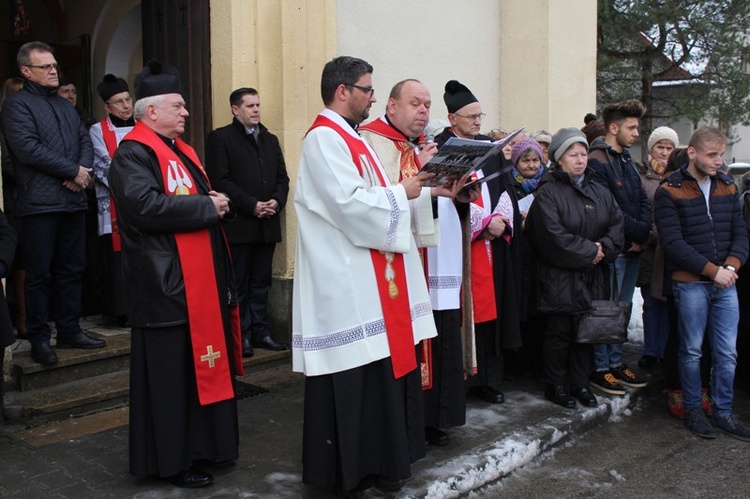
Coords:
pixel 576 230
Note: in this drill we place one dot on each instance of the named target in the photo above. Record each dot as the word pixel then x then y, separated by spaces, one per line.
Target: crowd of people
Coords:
pixel 409 298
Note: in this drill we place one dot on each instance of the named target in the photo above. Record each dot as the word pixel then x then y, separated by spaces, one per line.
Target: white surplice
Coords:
pixel 337 321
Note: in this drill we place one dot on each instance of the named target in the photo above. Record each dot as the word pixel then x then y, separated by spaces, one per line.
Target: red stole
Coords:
pixel 210 357
pixel 408 167
pixel 110 141
pixel 389 268
pixel 482 278
pixel 409 160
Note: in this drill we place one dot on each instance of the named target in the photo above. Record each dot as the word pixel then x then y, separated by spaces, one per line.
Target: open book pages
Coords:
pixel 459 158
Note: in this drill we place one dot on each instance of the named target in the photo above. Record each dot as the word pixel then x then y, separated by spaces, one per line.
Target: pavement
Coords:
pixel 88 456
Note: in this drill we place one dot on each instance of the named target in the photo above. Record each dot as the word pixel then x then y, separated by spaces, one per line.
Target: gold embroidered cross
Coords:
pixel 211 356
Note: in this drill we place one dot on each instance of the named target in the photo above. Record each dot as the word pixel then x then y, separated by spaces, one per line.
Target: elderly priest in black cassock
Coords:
pixel 185 346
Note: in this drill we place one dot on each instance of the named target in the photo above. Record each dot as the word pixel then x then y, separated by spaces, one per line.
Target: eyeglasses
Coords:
pixel 121 102
pixel 366 90
pixel 472 117
pixel 44 67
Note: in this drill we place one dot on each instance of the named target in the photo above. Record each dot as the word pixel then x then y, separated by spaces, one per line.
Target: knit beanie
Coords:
pixel 157 79
pixel 524 145
pixel 563 139
pixel 457 96
pixel 663 133
pixel 111 85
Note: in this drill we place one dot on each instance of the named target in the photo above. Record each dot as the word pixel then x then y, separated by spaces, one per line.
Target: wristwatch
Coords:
pixel 729 267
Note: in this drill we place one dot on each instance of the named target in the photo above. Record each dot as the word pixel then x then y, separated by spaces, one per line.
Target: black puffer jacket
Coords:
pixel 563 226
pixel 47 143
pixel 148 220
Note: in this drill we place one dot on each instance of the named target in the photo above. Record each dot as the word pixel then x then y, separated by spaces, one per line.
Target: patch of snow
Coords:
pixel 616 475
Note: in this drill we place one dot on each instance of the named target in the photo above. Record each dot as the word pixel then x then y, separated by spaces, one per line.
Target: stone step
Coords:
pixel 74 364
pixel 97 392
pixel 68 400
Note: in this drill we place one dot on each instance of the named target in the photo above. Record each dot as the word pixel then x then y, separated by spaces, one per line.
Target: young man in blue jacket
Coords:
pixel 703 233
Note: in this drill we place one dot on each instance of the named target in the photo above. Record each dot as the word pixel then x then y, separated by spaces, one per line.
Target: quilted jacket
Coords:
pixel 47 142
pixel 698 241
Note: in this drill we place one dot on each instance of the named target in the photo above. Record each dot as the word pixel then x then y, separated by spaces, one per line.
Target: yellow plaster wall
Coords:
pixel 278 48
pixel 548 54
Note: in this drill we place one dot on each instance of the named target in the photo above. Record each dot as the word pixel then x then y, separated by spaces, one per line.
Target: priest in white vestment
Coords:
pixel 360 299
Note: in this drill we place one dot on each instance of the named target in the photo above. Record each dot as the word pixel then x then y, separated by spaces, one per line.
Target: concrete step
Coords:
pixel 81 383
pixel 67 400
pixel 74 364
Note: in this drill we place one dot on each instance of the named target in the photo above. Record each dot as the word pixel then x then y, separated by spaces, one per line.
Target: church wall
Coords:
pixel 549 60
pixel 433 41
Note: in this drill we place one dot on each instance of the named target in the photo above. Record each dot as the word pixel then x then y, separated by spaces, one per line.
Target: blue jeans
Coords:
pixel 655 324
pixel 626 266
pixel 704 309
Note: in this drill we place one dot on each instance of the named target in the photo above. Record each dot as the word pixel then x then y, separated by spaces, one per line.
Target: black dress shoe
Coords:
pixel 584 396
pixel 247 347
pixel 560 396
pixel 81 340
pixel 269 343
pixel 191 478
pixel 435 436
pixel 488 394
pixel 43 354
pixel 389 484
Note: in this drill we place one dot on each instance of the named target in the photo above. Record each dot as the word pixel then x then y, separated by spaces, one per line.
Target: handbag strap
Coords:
pixel 615 291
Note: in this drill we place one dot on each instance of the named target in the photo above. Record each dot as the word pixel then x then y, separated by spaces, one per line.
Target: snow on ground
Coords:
pixel 635 328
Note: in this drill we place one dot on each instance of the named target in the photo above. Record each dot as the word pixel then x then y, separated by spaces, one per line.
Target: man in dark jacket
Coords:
pixel 52 156
pixel 613 167
pixel 244 160
pixel 700 224
pixel 181 301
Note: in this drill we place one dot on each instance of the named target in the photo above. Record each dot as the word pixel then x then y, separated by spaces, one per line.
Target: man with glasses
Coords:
pixel 360 299
pixel 494 288
pixel 106 136
pixel 51 153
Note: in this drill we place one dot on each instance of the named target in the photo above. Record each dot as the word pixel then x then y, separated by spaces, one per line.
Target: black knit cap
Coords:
pixel 457 96
pixel 157 79
pixel 111 85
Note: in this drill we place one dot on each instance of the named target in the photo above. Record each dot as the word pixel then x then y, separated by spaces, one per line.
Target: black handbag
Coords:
pixel 606 322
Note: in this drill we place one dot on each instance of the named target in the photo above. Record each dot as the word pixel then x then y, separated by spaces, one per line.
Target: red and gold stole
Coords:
pixel 392 288
pixel 212 373
pixel 408 167
pixel 110 141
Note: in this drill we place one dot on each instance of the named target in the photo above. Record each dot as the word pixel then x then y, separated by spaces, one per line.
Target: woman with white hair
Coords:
pixel 662 141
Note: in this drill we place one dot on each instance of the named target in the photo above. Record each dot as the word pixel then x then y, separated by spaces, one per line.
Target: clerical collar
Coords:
pixel 414 141
pixel 351 122
pixel 119 122
pixel 170 142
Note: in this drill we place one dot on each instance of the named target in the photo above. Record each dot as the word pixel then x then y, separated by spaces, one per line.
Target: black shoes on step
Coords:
pixel 269 343
pixel 43 354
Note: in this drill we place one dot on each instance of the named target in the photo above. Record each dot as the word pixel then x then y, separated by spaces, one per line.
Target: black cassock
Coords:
pixel 360 423
pixel 169 428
